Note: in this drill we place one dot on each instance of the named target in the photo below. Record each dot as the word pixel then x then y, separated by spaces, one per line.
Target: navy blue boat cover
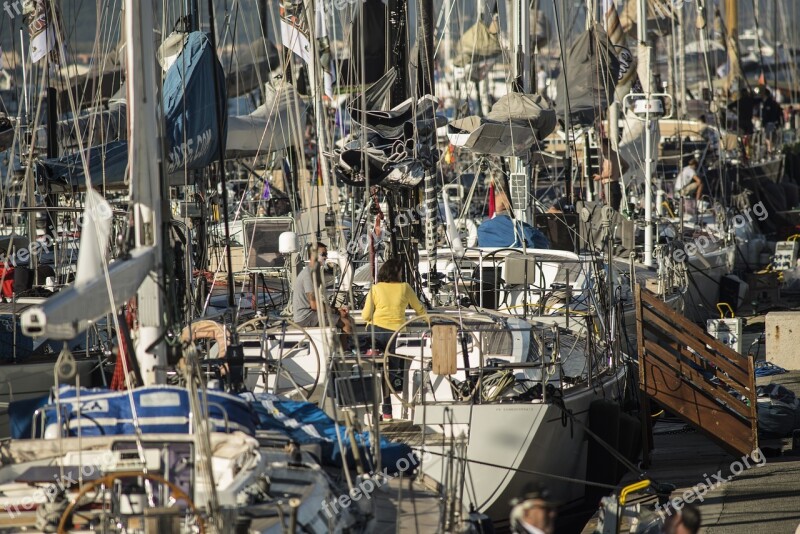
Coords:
pixel 159 409
pixel 306 423
pixel 191 133
pixel 165 409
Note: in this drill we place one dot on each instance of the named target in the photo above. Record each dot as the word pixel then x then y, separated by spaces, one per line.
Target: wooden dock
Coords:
pixel 734 494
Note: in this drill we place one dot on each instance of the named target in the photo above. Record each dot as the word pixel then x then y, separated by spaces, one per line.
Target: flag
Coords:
pixel 295 37
pixel 762 79
pixel 42 32
pixel 491 200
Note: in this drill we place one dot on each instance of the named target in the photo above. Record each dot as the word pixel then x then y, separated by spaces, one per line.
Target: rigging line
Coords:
pixel 521 470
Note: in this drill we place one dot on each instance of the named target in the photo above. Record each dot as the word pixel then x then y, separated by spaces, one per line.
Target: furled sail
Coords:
pixel 592 74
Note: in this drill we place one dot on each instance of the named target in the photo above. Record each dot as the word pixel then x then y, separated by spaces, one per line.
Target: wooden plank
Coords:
pixel 679 349
pixel 734 371
pixel 753 403
pixel 727 430
pixel 691 376
pixel 684 323
pixel 697 340
pixel 666 375
pixel 443 349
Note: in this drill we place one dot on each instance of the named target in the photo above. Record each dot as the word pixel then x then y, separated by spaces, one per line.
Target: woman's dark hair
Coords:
pixel 391 271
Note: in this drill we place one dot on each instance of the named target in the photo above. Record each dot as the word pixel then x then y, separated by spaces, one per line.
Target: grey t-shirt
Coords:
pixel 301 308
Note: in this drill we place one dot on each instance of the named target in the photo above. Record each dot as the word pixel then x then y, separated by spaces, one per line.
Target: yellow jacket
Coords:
pixel 387 302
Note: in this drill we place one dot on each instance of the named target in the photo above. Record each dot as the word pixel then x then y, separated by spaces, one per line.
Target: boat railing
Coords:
pixel 210 405
pixel 525 276
pixel 40 416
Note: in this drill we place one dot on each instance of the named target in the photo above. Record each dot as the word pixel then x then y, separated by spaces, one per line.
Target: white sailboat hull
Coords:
pixel 509 446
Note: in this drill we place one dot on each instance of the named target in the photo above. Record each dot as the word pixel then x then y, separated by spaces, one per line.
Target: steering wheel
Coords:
pixel 174 491
pixel 267 326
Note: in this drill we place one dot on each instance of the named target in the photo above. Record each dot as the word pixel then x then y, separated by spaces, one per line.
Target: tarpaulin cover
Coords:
pixel 306 423
pixel 159 409
pixel 514 125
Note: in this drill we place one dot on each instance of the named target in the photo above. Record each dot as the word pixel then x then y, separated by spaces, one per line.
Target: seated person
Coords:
pixel 689 182
pixel 503 231
pixel 305 307
pixel 612 167
pixel 385 310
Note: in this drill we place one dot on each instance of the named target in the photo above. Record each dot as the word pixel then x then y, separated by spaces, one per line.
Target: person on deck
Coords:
pixel 742 106
pixel 305 307
pixel 385 311
pixel 689 182
pixel 612 167
pixel 503 231
pixel 771 118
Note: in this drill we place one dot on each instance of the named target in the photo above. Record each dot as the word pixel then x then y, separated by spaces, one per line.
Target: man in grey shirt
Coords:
pixel 304 301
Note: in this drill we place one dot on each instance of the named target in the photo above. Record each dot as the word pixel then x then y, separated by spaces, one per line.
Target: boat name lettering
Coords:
pixel 97 405
pixel 192 149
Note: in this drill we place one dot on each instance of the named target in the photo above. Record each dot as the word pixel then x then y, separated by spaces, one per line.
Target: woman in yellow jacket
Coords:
pixel 385 310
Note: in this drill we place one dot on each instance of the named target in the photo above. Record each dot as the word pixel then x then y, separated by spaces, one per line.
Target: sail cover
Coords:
pixel 513 126
pixel 592 73
pixel 478 43
pixel 192 104
pixel 275 125
pixel 191 130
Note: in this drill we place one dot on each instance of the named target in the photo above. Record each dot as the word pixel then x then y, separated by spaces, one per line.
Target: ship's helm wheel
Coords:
pixel 424 360
pixel 176 493
pixel 267 327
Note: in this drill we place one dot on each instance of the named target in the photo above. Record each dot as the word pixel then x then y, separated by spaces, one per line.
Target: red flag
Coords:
pixel 491 199
pixel 762 80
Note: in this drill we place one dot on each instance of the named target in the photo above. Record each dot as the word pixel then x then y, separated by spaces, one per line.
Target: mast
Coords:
pixel 520 184
pixel 641 30
pixel 732 42
pixel 146 186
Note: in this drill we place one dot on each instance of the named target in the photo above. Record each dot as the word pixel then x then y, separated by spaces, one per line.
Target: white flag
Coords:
pixel 295 38
pixel 43 37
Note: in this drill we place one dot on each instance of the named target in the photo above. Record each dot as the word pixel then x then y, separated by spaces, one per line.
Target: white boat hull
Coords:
pixel 510 446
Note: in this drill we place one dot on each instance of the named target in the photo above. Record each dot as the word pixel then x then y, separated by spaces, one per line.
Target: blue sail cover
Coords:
pixel 159 409
pixel 191 133
pixel 191 106
pixel 107 164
